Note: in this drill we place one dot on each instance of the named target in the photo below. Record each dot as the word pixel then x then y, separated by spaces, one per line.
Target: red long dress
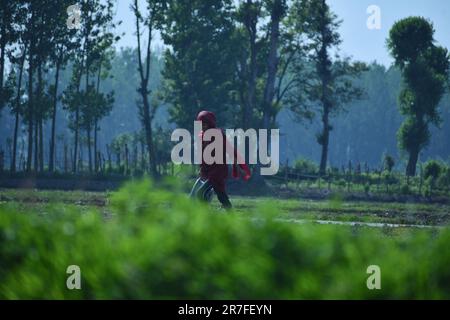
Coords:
pixel 217 173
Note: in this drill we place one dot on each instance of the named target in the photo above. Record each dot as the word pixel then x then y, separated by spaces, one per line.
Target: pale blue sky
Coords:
pixel 358 41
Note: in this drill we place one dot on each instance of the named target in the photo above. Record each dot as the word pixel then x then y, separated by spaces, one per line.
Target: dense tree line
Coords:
pixel 68 95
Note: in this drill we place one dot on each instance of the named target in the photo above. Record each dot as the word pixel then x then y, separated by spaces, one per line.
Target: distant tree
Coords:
pixel 94 106
pixel 35 33
pixel 17 105
pixel 29 20
pixel 103 103
pixel 432 169
pixel 42 33
pixel 199 65
pixel 306 166
pixel 388 163
pixel 249 14
pixel 147 111
pixel 277 10
pixel 95 37
pixel 8 14
pixel 259 42
pixel 425 68
pixel 63 45
pixel 164 146
pixel 119 146
pixel 72 100
pixel 328 86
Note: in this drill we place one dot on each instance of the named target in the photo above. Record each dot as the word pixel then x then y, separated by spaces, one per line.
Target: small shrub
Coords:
pixel 405 189
pixel 444 178
pixel 432 169
pixel 388 163
pixel 306 166
pixel 367 188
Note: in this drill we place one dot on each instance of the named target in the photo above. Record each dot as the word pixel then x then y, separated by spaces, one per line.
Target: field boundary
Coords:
pixel 354 223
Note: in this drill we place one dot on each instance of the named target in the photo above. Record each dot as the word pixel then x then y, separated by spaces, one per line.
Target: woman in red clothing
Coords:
pixel 213 176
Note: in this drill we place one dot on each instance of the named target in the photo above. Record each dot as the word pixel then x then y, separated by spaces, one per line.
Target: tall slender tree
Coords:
pixel 147 21
pixel 8 13
pixel 17 105
pixel 29 35
pixel 103 103
pixel 63 45
pixel 328 86
pixel 94 35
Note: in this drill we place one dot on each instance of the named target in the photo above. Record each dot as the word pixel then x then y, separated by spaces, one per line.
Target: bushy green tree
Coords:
pixel 199 65
pixel 425 67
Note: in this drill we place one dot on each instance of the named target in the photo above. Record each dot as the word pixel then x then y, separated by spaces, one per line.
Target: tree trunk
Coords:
pixel 17 122
pixel 71 157
pixel 36 135
pixel 96 165
pixel 51 158
pixel 66 166
pixel 250 22
pixel 272 61
pixel 247 121
pixel 22 158
pixel 149 136
pixel 89 123
pixel 77 128
pixel 75 151
pixel 2 61
pixel 80 158
pixel 144 74
pixel 89 147
pixel 118 161
pixel 14 152
pixel 412 163
pixel 126 159
pixel 135 156
pixel 38 156
pixel 41 145
pixel 41 117
pixel 108 151
pixel 30 108
pixel 324 141
pixel 96 120
pixel 142 157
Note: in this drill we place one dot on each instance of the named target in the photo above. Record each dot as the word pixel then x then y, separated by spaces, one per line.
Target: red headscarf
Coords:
pixel 208 117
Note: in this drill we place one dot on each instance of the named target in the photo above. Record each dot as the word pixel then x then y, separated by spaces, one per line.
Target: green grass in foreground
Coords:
pixel 161 245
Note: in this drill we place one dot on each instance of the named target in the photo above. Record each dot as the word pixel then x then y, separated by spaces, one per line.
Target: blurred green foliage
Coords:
pixel 159 244
pixel 433 169
pixel 306 166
